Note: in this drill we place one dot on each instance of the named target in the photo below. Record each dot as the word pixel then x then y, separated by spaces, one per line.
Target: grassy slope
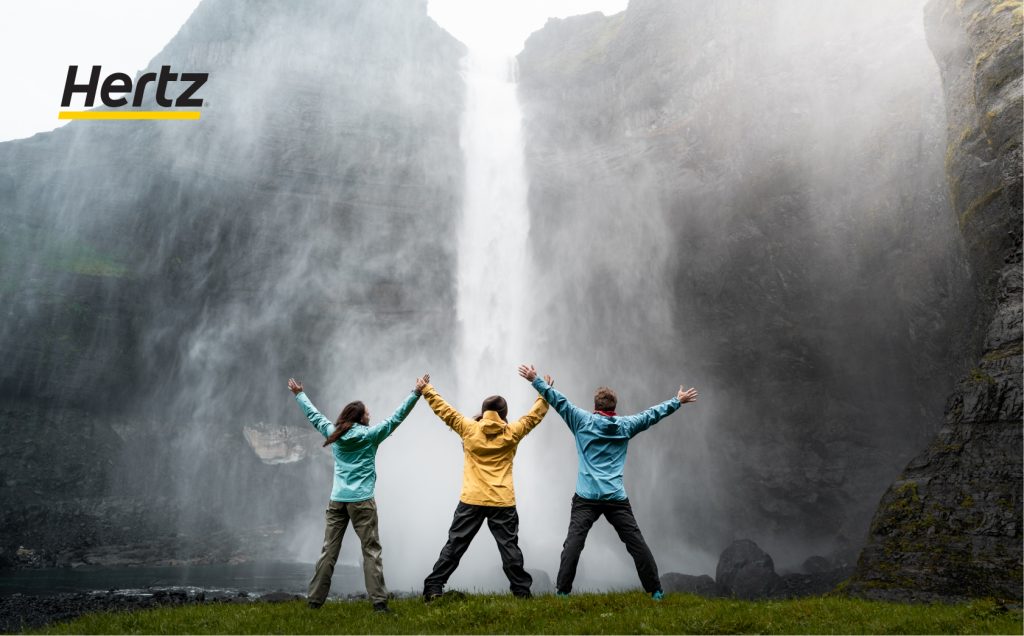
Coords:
pixel 623 613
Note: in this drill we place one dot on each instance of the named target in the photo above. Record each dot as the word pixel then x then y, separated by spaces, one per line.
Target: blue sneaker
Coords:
pixel 657 596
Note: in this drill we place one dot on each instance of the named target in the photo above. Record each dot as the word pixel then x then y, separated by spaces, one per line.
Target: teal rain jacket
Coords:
pixel 355 452
pixel 601 441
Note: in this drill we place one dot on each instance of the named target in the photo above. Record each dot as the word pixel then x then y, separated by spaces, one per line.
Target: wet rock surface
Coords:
pixel 950 526
pixel 746 571
pixel 138 263
pixel 19 612
pixel 816 275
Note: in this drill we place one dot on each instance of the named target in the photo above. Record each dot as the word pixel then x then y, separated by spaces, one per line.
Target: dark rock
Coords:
pixel 20 612
pixel 689 132
pixel 279 597
pixel 816 565
pixel 950 526
pixel 144 239
pixel 746 571
pixel 796 585
pixel 702 585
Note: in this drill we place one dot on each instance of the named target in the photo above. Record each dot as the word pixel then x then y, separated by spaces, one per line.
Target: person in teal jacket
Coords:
pixel 602 438
pixel 354 445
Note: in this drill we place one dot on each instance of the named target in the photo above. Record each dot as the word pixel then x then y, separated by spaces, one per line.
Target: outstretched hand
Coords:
pixel 527 372
pixel 421 383
pixel 294 387
pixel 549 380
pixel 687 395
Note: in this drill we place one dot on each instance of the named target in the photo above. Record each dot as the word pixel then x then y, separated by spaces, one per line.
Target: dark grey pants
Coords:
pixel 618 513
pixel 503 524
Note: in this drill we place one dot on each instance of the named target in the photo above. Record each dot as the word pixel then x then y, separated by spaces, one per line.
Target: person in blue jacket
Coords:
pixel 354 445
pixel 602 438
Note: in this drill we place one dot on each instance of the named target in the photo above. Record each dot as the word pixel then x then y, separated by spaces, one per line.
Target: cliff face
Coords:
pixel 950 525
pixel 161 280
pixel 749 197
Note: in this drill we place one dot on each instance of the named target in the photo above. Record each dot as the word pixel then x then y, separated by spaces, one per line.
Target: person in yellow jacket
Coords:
pixel 489 442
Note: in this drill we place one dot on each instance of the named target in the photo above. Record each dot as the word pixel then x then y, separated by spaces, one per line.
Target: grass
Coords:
pixel 616 613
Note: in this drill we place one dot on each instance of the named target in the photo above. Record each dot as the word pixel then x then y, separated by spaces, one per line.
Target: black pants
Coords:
pixel 504 525
pixel 618 513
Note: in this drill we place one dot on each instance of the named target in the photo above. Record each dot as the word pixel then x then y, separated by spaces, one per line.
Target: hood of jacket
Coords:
pixel 491 423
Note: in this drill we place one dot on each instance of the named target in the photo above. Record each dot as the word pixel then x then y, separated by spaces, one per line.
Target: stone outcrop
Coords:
pixel 950 525
pixel 749 197
pixel 746 571
pixel 161 280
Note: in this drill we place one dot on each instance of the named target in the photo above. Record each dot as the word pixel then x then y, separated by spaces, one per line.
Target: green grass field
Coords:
pixel 618 613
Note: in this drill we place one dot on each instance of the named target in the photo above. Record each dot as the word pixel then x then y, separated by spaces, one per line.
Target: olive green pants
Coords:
pixel 364 521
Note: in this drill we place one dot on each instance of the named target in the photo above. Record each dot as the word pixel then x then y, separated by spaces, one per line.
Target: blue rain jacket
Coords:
pixel 601 441
pixel 355 452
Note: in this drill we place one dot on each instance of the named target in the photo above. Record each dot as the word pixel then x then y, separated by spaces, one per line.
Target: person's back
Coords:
pixel 602 440
pixel 489 444
pixel 355 451
pixel 354 447
pixel 489 447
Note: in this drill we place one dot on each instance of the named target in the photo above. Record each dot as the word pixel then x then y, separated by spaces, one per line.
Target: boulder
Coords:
pixel 746 571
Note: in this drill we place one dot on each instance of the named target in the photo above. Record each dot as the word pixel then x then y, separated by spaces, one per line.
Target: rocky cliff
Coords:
pixel 950 525
pixel 749 197
pixel 161 280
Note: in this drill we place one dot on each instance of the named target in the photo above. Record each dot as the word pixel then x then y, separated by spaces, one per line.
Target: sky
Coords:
pixel 40 39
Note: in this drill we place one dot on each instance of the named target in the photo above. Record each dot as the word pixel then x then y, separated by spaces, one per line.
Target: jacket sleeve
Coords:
pixel 571 414
pixel 380 432
pixel 633 424
pixel 445 411
pixel 314 416
pixel 528 422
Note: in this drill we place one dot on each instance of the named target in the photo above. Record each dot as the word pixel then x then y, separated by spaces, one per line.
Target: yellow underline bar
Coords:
pixel 128 114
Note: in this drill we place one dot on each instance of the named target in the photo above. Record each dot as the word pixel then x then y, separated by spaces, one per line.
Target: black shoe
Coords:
pixel 381 607
pixel 522 595
pixel 430 595
pixel 314 605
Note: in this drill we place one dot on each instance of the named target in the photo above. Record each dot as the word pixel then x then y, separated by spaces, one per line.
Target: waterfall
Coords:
pixel 492 238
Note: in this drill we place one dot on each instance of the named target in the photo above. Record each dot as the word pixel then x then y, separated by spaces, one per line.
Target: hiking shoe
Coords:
pixel 381 607
pixel 657 596
pixel 522 595
pixel 430 595
pixel 314 605
pixel 562 594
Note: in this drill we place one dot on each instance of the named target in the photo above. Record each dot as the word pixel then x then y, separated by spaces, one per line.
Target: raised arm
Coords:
pixel 380 432
pixel 642 421
pixel 571 414
pixel 451 417
pixel 314 416
pixel 528 422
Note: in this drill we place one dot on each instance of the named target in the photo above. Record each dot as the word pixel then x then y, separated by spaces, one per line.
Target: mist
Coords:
pixel 744 197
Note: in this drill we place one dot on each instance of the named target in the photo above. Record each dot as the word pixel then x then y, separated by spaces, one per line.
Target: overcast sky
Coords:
pixel 39 39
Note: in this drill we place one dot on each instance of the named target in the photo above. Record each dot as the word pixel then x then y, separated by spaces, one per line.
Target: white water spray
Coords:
pixel 493 272
pixel 493 234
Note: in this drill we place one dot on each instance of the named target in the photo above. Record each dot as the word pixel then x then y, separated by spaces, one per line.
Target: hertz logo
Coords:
pixel 116 85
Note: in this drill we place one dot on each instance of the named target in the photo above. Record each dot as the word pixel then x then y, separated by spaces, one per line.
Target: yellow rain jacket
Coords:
pixel 489 446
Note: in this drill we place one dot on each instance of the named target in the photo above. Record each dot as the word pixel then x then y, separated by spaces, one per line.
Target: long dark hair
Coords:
pixel 352 414
pixel 494 403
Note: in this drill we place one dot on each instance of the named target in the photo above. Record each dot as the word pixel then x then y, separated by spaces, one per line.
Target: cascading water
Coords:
pixel 493 268
pixel 492 240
